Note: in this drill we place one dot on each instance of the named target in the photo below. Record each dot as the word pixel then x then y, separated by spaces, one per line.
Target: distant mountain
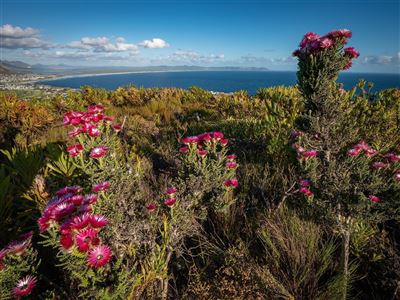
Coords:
pixel 63 69
pixel 4 70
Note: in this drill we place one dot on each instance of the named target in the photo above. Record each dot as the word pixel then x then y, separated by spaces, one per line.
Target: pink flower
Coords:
pixel 379 165
pixel 392 157
pixel 170 202
pixel 216 135
pixel 310 153
pixel 87 238
pixel 43 223
pixel 151 207
pixel 345 33
pixel 296 53
pixel 95 109
pixel 99 256
pixel 117 127
pixel 353 152
pixel 183 149
pixel 373 198
pixel 231 157
pixel 353 53
pixel 231 183
pixel 98 221
pixel 171 191
pixel 97 117
pixel 98 152
pixel 190 140
pixel 309 36
pixel 102 186
pixel 25 286
pixel 108 119
pixel 18 247
pixel 204 137
pixel 397 176
pixel 325 43
pixel 69 189
pixel 66 241
pixel 224 142
pixel 202 153
pixel 63 209
pixel 80 222
pixel 362 145
pixel 231 165
pixel 93 131
pixel 65 227
pixel 306 191
pixel 371 152
pixel 348 65
pixel 77 199
pixel 74 132
pixel 90 199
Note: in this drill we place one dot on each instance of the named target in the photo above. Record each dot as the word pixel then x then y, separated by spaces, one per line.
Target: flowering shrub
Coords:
pixel 18 265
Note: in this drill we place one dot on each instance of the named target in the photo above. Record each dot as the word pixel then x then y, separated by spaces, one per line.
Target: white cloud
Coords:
pixel 191 56
pixel 10 31
pixel 102 44
pixel 154 43
pixel 381 59
pixel 14 37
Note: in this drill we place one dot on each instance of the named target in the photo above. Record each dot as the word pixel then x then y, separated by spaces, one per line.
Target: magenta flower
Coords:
pixel 231 183
pixel 231 165
pixel 99 256
pixel 353 152
pixel 69 189
pixel 90 199
pixel 341 33
pixel 397 176
pixel 216 135
pixel 371 152
pixel 310 153
pixel 98 152
pixel 97 117
pixel 25 286
pixel 117 127
pixel 171 191
pixel 44 223
pixel 108 119
pixel 304 183
pixel 66 241
pixel 80 222
pixel 102 186
pixel 77 199
pixel 379 165
pixel 204 137
pixel 373 198
pixel 170 202
pixel 3 254
pixel 63 209
pixel 18 247
pixel 231 157
pixel 151 207
pixel 224 142
pixel 353 53
pixel 392 157
pixel 87 238
pixel 93 131
pixel 98 221
pixel 362 145
pixel 325 43
pixel 296 53
pixel 202 153
pixel 309 36
pixel 190 140
pixel 306 191
pixel 183 149
pixel 65 227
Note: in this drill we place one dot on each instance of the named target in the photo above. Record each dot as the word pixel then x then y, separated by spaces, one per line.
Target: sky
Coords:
pixel 254 33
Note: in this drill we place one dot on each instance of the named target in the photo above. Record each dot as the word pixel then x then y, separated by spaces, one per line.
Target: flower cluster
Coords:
pixel 362 147
pixel 303 153
pixel 312 44
pixel 19 248
pixel 169 201
pixel 304 187
pixel 70 213
pixel 88 123
pixel 203 142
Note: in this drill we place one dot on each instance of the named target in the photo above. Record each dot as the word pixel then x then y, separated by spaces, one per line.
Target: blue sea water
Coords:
pixel 221 81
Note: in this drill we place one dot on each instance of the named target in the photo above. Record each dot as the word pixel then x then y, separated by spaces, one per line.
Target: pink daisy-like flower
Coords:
pixel 80 222
pixel 371 152
pixel 353 53
pixel 74 132
pixel 18 247
pixel 98 221
pixel 204 137
pixel 97 117
pixel 224 142
pixel 374 198
pixel 25 286
pixel 102 186
pixel 62 210
pixel 90 199
pixel 379 165
pixel 171 191
pixel 93 131
pixel 86 208
pixel 151 207
pixel 362 145
pixel 99 256
pixel 348 65
pixel 392 157
pixel 76 199
pixel 325 43
pixel 87 238
pixel 216 135
pixel 26 236
pixel 353 152
pixel 3 254
pixel 44 223
pixel 108 119
pixel 344 33
pixel 190 140
pixel 231 157
pixel 309 36
pixel 304 183
pixel 183 149
pixel 170 202
pixel 397 176
pixel 231 183
pixel 66 241
pixel 231 165
pixel 98 152
pixel 74 150
pixel 65 227
pixel 117 127
pixel 202 152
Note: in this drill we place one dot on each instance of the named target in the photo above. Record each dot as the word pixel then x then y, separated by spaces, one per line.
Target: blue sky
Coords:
pixel 194 32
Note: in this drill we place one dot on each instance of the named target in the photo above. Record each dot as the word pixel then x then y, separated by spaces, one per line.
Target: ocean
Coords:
pixel 218 81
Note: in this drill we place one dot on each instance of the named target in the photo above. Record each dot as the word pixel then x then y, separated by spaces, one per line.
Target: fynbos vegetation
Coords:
pixel 293 193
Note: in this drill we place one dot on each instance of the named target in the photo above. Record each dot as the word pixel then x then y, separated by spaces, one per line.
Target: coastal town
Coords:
pixel 28 82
